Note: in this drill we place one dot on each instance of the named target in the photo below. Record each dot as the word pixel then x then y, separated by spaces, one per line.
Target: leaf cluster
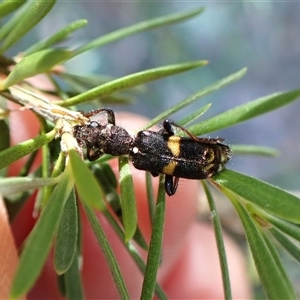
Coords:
pixel 266 212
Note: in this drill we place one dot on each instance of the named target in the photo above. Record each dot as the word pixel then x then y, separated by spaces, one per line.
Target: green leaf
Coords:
pixel 134 253
pixel 86 184
pixel 254 150
pixel 195 115
pixel 72 281
pixel 266 196
pixel 8 6
pixel 110 176
pixel 107 252
pixel 108 183
pixel 8 26
pixel 279 264
pixel 128 203
pixel 29 163
pixel 150 196
pixel 139 239
pixel 4 141
pixel 219 240
pixel 131 81
pixel 201 93
pixel 66 240
pixel 137 28
pixel 245 112
pixel 12 154
pixel 107 180
pixel 154 253
pixel 4 135
pixel 38 243
pixel 271 272
pixel 14 185
pixel 34 64
pixel 34 13
pixel 57 37
pixel 58 168
pixel 286 243
pixel 288 228
pixel 81 83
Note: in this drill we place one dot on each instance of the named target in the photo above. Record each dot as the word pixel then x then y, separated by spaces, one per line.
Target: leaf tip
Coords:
pixel 2 85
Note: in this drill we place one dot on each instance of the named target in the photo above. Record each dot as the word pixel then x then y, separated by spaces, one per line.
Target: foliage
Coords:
pixel 264 210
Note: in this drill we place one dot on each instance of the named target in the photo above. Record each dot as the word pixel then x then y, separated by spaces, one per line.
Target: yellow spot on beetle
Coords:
pixel 169 168
pixel 210 155
pixel 174 145
pixel 207 168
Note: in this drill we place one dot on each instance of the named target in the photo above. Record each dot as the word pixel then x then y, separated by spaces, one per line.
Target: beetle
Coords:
pixel 102 139
pixel 158 152
pixel 177 157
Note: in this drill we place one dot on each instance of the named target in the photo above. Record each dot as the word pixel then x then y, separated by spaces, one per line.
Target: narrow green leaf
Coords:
pixel 245 112
pixel 8 6
pixel 117 100
pixel 107 180
pixel 57 170
pixel 266 196
pixel 4 135
pixel 108 183
pixel 86 184
pixel 61 285
pixel 72 281
pixel 81 83
pixel 286 243
pixel 195 115
pixel 134 253
pixel 34 64
pixel 139 239
pixel 15 185
pixel 66 239
pixel 154 254
pixel 130 81
pixel 107 252
pixel 28 164
pixel 219 240
pixel 12 154
pixel 288 228
pixel 279 264
pixel 38 243
pixel 201 93
pixel 8 26
pixel 254 150
pixel 150 196
pixel 56 38
pixel 109 174
pixel 128 203
pixel 36 11
pixel 271 272
pixel 137 28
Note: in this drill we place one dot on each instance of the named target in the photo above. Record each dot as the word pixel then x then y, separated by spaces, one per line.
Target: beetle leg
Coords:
pixel 93 153
pixel 154 174
pixel 108 111
pixel 171 184
pixel 110 116
pixel 168 127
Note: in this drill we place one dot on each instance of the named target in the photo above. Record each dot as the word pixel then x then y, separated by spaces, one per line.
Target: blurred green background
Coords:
pixel 264 36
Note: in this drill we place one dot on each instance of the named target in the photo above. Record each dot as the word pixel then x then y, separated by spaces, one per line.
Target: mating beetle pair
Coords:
pixel 160 151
